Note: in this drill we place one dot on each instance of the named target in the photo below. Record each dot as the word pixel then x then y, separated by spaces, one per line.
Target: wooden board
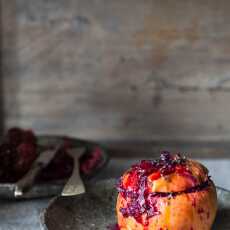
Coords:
pixel 118 70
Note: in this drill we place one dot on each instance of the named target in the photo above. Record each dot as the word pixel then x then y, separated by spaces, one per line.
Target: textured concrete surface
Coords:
pixel 21 215
pixel 95 210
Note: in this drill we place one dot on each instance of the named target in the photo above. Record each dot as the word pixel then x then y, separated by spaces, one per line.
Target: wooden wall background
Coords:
pixel 124 70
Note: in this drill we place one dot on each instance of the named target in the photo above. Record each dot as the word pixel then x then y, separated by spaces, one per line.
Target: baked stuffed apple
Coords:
pixel 171 193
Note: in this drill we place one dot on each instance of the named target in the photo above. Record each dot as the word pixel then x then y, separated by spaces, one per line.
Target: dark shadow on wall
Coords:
pixel 9 72
pixel 1 75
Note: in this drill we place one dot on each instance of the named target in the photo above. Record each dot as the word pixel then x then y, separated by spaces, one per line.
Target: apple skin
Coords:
pixel 191 211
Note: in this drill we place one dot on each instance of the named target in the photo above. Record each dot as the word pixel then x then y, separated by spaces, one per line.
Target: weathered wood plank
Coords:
pixel 157 46
pixel 152 149
pixel 65 38
pixel 118 70
pixel 197 115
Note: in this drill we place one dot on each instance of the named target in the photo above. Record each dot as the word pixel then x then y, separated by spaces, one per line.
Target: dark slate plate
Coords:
pixel 53 188
pixel 95 210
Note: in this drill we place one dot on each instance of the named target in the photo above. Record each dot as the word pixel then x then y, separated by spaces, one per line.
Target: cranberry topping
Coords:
pixel 19 149
pixel 90 162
pixel 14 136
pixel 61 166
pixel 21 146
pixel 26 155
pixel 141 202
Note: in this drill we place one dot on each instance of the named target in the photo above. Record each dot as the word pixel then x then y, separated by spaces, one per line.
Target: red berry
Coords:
pixel 14 136
pixel 91 161
pixel 26 154
pixel 28 137
pixel 67 143
pixel 26 149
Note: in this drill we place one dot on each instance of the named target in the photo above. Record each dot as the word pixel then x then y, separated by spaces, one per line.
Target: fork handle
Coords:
pixel 75 185
pixel 27 181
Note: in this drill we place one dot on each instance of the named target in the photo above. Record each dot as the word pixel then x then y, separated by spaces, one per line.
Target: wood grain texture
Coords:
pixel 118 70
pixel 151 149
